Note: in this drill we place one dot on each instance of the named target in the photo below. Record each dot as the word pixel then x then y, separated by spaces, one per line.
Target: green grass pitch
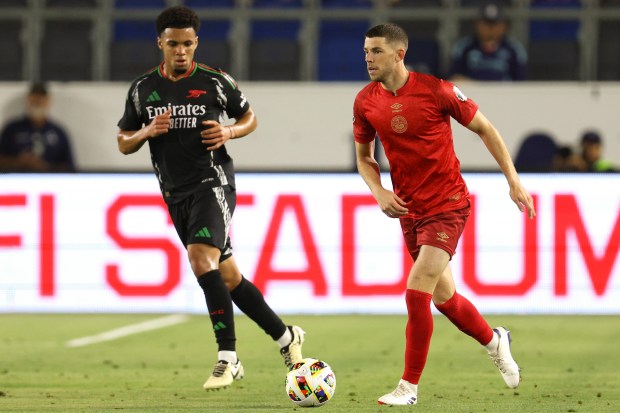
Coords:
pixel 569 364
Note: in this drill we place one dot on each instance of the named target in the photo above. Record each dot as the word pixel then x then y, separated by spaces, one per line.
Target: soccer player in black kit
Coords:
pixel 178 108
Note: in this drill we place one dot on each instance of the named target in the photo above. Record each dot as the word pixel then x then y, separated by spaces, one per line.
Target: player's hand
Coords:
pixel 159 125
pixel 214 134
pixel 390 204
pixel 522 198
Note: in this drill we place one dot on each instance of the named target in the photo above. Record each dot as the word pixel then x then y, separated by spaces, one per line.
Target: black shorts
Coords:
pixel 204 218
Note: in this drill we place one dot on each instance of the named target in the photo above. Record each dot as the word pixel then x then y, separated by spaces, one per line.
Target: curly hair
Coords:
pixel 177 17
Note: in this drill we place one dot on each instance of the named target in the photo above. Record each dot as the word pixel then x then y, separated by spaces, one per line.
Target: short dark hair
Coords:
pixel 392 33
pixel 177 17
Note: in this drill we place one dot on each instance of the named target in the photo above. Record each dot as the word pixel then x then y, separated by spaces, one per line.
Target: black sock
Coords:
pixel 220 308
pixel 250 300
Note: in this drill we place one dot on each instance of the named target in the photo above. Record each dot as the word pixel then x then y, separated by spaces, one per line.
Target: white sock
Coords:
pixel 286 338
pixel 492 345
pixel 226 355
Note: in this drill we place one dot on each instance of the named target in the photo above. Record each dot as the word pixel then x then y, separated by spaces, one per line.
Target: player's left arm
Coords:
pixel 496 146
pixel 214 134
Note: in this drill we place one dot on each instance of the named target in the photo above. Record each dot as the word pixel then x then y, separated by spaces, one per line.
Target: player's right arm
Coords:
pixel 132 141
pixel 368 168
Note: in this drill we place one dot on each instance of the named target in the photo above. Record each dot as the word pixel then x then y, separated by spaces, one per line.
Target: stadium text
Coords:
pixel 568 218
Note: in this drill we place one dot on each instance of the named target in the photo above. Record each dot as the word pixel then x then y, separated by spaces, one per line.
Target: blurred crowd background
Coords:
pixel 307 40
pixel 89 50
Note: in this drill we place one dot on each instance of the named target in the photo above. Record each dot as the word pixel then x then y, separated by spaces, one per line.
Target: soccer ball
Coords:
pixel 310 383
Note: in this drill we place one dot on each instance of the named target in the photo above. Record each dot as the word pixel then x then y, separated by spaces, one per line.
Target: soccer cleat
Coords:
pixel 292 352
pixel 224 373
pixel 404 394
pixel 503 359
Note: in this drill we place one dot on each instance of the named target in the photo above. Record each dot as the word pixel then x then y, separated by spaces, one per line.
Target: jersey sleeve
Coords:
pixel 131 118
pixel 454 102
pixel 363 132
pixel 236 102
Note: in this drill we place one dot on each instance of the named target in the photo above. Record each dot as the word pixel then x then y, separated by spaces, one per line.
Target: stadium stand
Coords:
pixel 305 40
pixel 274 50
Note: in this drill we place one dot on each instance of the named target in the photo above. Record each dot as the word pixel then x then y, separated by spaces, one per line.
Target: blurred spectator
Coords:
pixel 536 153
pixel 592 154
pixel 566 160
pixel 34 143
pixel 490 54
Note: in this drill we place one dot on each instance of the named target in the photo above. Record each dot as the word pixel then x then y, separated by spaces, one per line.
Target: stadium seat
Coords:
pixel 414 3
pixel 274 50
pixel 554 44
pixel 70 3
pixel 608 51
pixel 213 4
pixel 536 153
pixel 140 4
pixel 134 43
pixel 423 53
pixel 345 4
pixel 66 51
pixel 277 4
pixel 14 3
pixel 214 44
pixel 10 55
pixel 340 50
pixel 553 60
pixel 478 3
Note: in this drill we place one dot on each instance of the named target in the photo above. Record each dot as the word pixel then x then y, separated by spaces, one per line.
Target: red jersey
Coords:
pixel 414 128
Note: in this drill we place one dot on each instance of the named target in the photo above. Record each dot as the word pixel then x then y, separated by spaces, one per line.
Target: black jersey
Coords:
pixel 180 159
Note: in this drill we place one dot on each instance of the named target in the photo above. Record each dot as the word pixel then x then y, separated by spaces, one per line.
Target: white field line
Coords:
pixel 129 330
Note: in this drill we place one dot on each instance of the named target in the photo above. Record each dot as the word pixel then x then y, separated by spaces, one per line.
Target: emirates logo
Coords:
pixel 399 124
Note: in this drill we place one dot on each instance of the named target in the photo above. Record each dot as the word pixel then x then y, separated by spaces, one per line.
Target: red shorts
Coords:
pixel 442 231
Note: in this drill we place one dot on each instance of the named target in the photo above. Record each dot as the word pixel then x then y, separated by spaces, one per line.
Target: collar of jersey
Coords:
pixel 402 89
pixel 190 72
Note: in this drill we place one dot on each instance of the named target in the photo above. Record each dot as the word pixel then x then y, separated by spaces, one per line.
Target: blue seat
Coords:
pixel 140 4
pixel 212 4
pixel 341 50
pixel 274 50
pixel 69 3
pixel 133 49
pixel 214 45
pixel 423 56
pixel 554 29
pixel 346 4
pixel 277 4
pixel 536 153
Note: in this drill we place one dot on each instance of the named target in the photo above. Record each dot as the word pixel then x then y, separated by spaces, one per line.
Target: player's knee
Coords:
pixel 203 260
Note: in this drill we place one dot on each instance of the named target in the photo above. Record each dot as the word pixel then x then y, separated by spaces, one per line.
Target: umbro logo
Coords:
pixel 195 93
pixel 153 97
pixel 442 236
pixel 203 233
pixel 396 107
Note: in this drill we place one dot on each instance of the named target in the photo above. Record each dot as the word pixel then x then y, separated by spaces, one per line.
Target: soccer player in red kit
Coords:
pixel 410 112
